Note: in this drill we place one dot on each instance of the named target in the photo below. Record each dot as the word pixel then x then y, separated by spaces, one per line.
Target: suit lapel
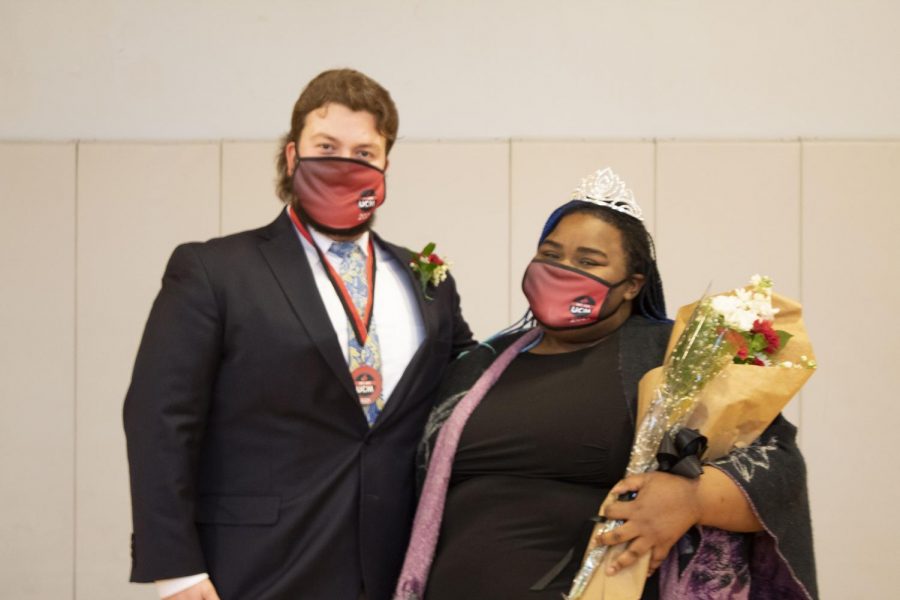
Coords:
pixel 286 257
pixel 426 308
pixel 430 316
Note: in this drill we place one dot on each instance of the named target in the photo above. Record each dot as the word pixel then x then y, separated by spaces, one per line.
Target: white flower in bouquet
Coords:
pixel 747 306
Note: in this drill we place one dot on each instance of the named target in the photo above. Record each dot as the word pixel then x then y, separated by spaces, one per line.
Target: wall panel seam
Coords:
pixel 655 190
pixel 509 229
pixel 801 191
pixel 221 146
pixel 75 332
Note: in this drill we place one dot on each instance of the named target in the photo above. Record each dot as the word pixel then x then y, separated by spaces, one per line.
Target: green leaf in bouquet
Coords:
pixel 758 343
pixel 783 338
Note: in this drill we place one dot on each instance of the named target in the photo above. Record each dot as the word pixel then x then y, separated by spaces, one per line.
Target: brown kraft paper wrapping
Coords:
pixel 733 410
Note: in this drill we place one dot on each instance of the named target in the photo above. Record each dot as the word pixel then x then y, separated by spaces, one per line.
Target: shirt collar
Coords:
pixel 324 242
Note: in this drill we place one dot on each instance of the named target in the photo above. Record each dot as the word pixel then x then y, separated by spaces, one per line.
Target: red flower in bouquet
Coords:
pixel 748 319
pixel 765 329
pixel 738 341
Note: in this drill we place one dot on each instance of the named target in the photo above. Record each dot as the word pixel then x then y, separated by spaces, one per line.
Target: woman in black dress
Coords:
pixel 534 428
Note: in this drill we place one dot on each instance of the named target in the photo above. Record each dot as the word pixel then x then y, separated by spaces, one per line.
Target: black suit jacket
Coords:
pixel 250 457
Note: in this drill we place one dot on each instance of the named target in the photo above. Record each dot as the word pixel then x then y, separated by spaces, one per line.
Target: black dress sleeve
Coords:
pixel 776 562
pixel 772 474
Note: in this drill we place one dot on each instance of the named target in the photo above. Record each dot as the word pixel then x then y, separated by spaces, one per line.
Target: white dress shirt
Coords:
pixel 397 320
pixel 396 314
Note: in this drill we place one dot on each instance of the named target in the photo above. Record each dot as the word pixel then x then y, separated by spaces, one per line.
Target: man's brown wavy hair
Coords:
pixel 350 88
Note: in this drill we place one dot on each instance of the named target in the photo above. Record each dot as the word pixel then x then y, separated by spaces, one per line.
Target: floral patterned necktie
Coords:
pixel 365 359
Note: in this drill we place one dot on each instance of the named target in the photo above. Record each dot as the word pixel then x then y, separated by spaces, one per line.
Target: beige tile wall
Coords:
pixel 850 417
pixel 103 218
pixel 726 211
pixel 37 370
pixel 135 203
pixel 457 196
pixel 248 185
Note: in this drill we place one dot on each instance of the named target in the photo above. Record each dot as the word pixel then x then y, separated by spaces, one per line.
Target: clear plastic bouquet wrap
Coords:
pixel 728 373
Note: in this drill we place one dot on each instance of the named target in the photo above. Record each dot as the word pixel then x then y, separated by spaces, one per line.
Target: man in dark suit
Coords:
pixel 280 388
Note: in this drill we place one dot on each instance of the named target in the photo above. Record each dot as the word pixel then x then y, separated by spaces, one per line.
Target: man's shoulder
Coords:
pixel 233 243
pixel 398 250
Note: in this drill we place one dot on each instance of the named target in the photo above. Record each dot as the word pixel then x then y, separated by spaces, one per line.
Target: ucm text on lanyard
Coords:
pixel 360 323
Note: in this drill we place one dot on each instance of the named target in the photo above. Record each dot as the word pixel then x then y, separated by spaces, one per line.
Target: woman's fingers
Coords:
pixel 657 556
pixel 621 510
pixel 619 535
pixel 632 483
pixel 664 509
pixel 629 556
pixel 661 512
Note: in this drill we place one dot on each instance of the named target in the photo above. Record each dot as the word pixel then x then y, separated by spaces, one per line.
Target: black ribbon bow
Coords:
pixel 680 455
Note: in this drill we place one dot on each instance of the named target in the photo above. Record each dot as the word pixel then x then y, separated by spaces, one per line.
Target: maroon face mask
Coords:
pixel 339 193
pixel 565 298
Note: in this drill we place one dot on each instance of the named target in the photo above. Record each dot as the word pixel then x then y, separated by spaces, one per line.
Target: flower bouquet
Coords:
pixel 728 373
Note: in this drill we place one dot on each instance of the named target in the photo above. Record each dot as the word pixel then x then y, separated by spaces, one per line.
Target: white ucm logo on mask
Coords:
pixel 582 306
pixel 367 200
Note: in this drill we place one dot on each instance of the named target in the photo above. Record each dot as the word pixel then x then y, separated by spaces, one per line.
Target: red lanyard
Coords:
pixel 360 323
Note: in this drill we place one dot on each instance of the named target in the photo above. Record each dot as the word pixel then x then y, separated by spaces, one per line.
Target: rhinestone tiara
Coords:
pixel 605 188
